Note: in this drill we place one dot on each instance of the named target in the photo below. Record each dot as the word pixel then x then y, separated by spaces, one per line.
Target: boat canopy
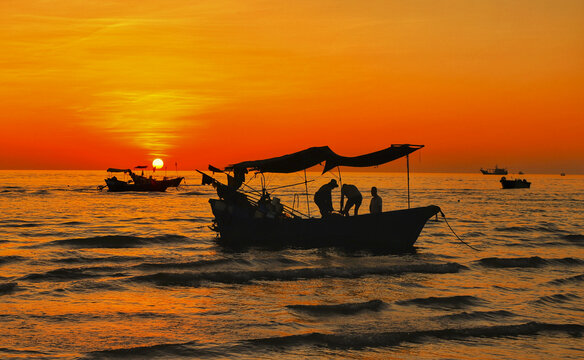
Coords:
pixel 305 159
pixel 114 170
pixel 141 167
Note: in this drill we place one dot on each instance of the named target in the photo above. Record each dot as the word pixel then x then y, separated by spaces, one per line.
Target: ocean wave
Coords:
pixel 548 228
pixel 557 298
pixel 449 302
pixel 20 224
pixel 479 315
pixel 10 259
pixel 384 339
pixel 188 349
pixel 12 189
pixel 8 288
pixel 183 265
pixel 73 223
pixel 340 309
pixel 494 262
pixel 192 193
pixel 574 238
pixel 69 274
pixel 570 279
pixel 334 341
pixel 21 353
pixel 193 219
pixel 117 241
pixel 89 260
pixel 527 262
pixel 83 286
pixel 243 277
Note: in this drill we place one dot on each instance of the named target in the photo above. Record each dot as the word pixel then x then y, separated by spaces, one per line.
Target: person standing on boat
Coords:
pixel 376 204
pixel 324 198
pixel 354 197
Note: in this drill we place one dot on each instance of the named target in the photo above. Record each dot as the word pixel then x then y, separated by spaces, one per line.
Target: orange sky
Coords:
pixel 92 84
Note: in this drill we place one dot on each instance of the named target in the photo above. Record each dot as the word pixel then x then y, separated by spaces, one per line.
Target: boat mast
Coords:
pixel 306 186
pixel 408 171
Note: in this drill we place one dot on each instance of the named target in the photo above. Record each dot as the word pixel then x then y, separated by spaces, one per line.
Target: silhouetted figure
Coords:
pixel 376 204
pixel 354 197
pixel 324 198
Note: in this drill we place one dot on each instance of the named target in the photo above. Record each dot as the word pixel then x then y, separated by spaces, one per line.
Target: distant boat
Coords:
pixel 496 171
pixel 515 183
pixel 520 172
pixel 563 174
pixel 138 182
pixel 252 218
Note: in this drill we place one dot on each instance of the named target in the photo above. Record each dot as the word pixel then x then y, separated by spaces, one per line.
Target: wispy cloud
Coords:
pixel 152 120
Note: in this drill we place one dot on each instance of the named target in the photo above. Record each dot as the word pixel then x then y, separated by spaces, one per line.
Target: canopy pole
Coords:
pixel 340 179
pixel 306 186
pixel 408 170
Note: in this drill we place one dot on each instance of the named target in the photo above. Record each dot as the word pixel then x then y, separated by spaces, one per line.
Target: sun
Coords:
pixel 157 163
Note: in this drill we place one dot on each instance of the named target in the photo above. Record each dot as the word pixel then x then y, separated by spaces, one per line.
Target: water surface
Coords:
pixel 90 274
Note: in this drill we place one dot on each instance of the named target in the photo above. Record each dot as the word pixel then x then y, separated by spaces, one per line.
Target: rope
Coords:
pixel 459 239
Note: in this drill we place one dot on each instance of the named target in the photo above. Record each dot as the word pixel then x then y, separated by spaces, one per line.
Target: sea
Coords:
pixel 88 274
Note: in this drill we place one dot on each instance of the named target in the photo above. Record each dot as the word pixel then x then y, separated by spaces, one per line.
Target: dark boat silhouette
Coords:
pixel 139 182
pixel 496 171
pixel 242 220
pixel 515 183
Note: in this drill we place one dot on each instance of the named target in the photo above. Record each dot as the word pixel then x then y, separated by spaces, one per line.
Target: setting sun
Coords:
pixel 157 163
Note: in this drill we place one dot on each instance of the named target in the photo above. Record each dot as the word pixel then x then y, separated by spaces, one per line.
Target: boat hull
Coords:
pixel 494 172
pixel 115 185
pixel 391 230
pixel 515 184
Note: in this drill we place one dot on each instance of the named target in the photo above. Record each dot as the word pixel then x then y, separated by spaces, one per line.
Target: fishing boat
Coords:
pixel 138 182
pixel 496 171
pixel 515 183
pixel 245 218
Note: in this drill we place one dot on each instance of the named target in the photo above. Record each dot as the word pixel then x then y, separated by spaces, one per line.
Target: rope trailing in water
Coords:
pixel 459 239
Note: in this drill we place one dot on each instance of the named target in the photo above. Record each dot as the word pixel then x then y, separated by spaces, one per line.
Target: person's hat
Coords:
pixel 334 183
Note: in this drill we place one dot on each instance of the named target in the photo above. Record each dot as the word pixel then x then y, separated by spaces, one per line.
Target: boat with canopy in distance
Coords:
pixel 138 182
pixel 248 218
pixel 514 183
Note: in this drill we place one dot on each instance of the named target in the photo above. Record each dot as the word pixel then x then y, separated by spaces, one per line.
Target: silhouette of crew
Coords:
pixel 354 197
pixel 376 204
pixel 324 199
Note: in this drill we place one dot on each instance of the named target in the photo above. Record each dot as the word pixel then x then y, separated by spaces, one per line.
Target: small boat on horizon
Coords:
pixel 515 183
pixel 242 218
pixel 496 171
pixel 138 182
